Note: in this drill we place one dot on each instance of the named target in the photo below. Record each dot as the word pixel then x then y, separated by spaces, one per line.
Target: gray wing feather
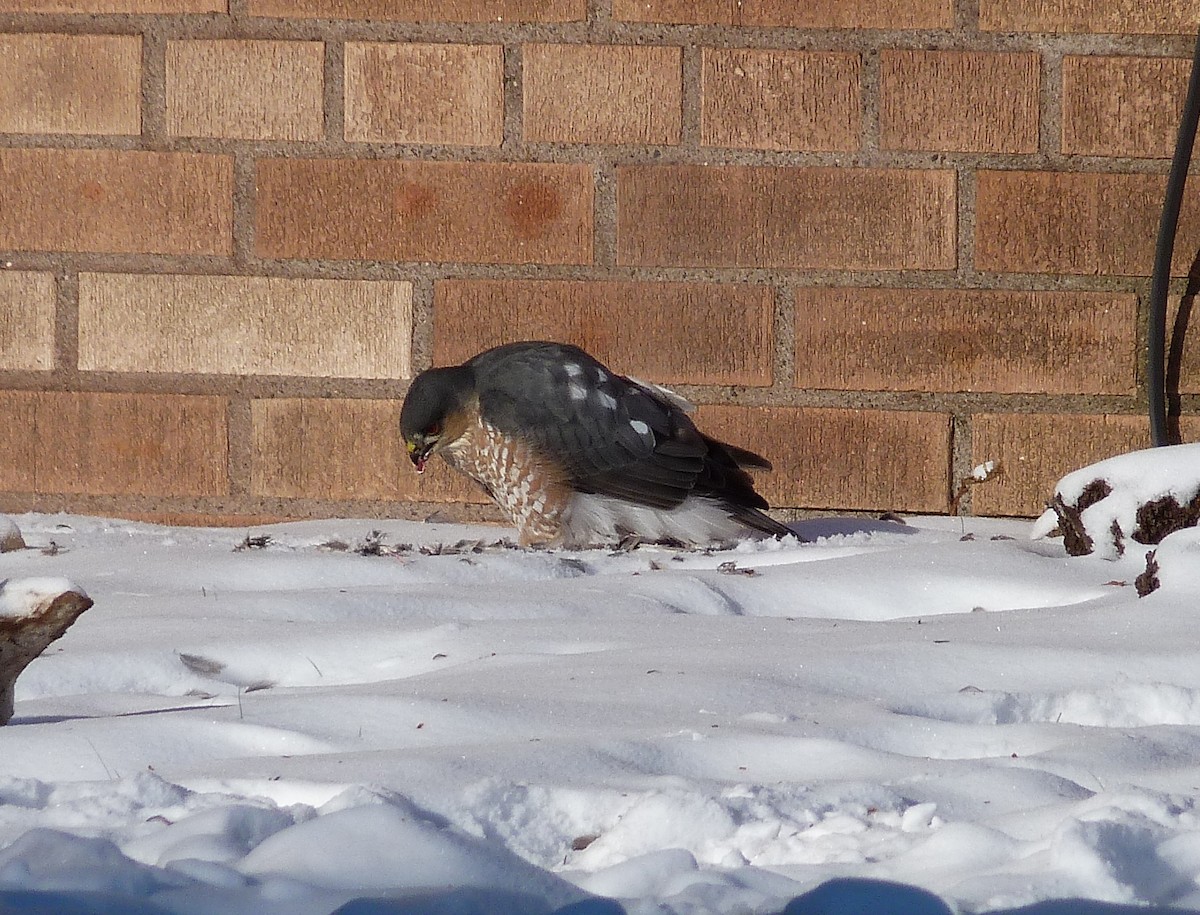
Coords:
pixel 608 434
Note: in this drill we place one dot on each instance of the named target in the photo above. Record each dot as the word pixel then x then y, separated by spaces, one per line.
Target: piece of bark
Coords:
pixel 10 536
pixel 1162 517
pixel 1148 582
pixel 24 637
pixel 1076 538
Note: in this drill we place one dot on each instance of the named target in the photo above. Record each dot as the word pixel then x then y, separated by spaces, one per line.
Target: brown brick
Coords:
pixel 244 325
pixel 342 450
pixel 186 518
pixel 113 444
pixel 961 101
pixel 1122 106
pixel 1088 223
pixel 505 11
pixel 114 6
pixel 360 209
pixel 804 100
pixel 737 216
pixel 813 14
pixel 26 320
pixel 1036 450
pixel 1183 357
pixel 876 460
pixel 425 93
pixel 255 90
pixel 602 93
pixel 1159 17
pixel 690 333
pixel 82 84
pixel 120 202
pixel 965 340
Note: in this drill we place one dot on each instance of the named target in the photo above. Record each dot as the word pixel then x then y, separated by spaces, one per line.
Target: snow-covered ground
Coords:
pixel 470 728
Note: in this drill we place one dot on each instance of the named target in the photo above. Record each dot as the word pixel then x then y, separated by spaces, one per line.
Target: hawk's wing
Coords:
pixel 608 434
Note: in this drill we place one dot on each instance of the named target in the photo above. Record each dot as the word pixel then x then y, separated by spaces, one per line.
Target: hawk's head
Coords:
pixel 435 411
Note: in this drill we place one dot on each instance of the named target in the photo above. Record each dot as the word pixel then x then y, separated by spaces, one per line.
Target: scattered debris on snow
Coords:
pixel 1141 496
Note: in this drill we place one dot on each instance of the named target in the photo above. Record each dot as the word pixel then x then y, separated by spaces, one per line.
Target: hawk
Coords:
pixel 577 455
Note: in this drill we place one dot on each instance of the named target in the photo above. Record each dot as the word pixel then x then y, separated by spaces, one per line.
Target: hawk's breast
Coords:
pixel 526 486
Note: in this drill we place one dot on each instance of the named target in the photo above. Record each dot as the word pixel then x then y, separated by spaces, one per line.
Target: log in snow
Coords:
pixel 1141 496
pixel 33 613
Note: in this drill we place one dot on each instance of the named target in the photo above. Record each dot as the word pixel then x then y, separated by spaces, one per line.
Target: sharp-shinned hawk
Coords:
pixel 579 456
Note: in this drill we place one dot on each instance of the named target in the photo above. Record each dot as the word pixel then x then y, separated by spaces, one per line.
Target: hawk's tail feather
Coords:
pixel 758 521
pixel 744 458
pixel 726 479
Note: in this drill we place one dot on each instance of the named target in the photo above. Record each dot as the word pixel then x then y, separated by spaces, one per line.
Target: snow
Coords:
pixel 1150 473
pixel 25 597
pixel 944 716
pixel 981 473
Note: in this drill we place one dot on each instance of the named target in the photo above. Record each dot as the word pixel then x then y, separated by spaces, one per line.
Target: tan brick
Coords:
pixel 114 6
pixel 1159 17
pixel 961 101
pixel 343 450
pixel 602 93
pixel 965 340
pixel 869 460
pixel 803 100
pixel 113 444
pixel 360 209
pixel 239 325
pixel 120 202
pixel 506 11
pixel 425 93
pixel 26 320
pixel 1087 223
pixel 737 216
pixel 813 14
pixel 1036 450
pixel 253 90
pixel 79 84
pixel 673 333
pixel 1122 106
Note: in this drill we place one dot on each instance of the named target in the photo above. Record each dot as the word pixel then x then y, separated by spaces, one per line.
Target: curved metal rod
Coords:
pixel 1160 278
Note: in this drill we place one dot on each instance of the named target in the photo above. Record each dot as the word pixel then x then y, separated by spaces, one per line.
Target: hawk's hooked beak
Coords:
pixel 418 454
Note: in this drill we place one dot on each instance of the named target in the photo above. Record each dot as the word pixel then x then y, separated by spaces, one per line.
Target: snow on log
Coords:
pixel 33 613
pixel 1141 496
pixel 10 536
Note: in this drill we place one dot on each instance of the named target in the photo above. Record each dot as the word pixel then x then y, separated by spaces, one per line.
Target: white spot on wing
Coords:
pixel 639 427
pixel 578 391
pixel 606 400
pixel 573 369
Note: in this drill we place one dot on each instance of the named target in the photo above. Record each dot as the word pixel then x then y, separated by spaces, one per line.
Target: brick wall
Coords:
pixel 879 240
